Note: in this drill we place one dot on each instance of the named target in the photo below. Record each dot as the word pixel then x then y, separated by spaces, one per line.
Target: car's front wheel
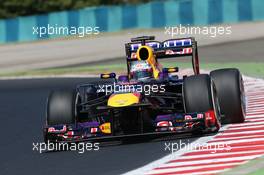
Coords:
pixel 61 107
pixel 199 95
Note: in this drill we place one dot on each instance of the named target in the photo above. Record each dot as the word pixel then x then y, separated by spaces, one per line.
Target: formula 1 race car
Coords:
pixel 149 99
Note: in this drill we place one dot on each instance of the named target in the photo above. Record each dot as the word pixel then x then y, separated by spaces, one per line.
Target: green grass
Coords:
pixel 253 167
pixel 258 172
pixel 247 68
pixel 250 69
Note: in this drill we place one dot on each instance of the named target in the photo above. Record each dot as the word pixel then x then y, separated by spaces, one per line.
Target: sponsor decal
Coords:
pixel 164 124
pixel 177 43
pixel 166 44
pixel 200 116
pixel 94 130
pixel 70 134
pixel 169 52
pixel 53 129
pixel 208 116
pixel 105 128
pixel 188 117
pixel 154 45
pixel 180 52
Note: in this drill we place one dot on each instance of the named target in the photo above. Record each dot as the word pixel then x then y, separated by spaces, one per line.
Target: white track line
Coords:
pixel 245 127
pixel 241 137
pixel 242 132
pixel 259 105
pixel 253 116
pixel 254 110
pixel 242 158
pixel 190 157
pixel 247 124
pixel 169 170
pixel 203 173
pixel 254 119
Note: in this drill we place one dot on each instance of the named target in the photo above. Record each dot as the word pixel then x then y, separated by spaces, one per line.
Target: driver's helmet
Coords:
pixel 141 70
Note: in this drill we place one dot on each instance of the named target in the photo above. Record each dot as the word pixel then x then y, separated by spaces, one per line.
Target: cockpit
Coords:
pixel 140 70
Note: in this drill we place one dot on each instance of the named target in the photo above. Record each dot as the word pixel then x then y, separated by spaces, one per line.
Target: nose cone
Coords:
pixel 122 100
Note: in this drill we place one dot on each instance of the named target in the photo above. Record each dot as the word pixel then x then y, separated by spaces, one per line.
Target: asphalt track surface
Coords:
pixel 237 51
pixel 22 112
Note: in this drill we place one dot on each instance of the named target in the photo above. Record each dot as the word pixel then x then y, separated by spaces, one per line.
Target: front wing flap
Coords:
pixel 164 124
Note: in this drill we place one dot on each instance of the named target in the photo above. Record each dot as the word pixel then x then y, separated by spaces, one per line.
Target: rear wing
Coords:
pixel 167 49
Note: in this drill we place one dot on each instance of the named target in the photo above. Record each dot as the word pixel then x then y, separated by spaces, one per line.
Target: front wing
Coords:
pixel 164 124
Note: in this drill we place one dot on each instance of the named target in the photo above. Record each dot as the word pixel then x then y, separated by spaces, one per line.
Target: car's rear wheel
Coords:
pixel 199 95
pixel 230 89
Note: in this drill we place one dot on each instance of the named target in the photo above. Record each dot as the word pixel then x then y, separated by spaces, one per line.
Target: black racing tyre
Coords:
pixel 199 95
pixel 61 107
pixel 230 89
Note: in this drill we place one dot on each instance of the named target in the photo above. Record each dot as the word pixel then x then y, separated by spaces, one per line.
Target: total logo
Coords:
pixel 105 128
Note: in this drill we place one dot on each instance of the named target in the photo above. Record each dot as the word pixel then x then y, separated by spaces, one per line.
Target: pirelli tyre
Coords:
pixel 61 107
pixel 199 94
pixel 230 89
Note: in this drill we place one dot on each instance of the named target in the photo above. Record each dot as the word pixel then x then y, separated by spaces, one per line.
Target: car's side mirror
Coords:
pixel 170 70
pixel 108 75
